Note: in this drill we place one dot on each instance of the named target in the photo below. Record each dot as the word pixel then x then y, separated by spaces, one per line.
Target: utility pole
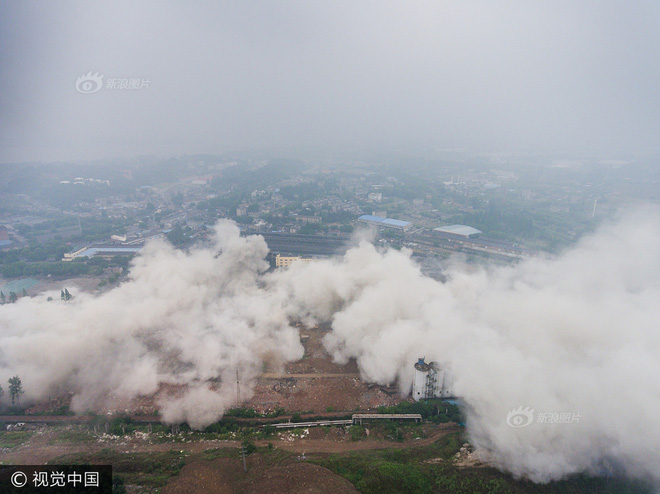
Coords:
pixel 243 453
pixel 238 389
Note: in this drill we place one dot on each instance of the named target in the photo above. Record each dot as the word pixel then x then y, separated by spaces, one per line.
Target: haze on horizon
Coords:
pixel 295 76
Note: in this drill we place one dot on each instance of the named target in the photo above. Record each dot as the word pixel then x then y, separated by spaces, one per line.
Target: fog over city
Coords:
pixel 324 77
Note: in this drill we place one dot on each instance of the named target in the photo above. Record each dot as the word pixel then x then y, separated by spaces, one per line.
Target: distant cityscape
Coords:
pixel 487 207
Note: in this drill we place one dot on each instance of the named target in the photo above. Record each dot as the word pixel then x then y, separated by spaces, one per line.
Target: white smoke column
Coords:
pixel 576 336
pixel 188 319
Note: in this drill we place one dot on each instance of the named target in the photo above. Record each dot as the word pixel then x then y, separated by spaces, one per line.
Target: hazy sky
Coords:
pixel 291 76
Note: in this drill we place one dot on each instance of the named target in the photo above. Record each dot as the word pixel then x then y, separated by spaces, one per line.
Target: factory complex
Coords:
pixel 385 222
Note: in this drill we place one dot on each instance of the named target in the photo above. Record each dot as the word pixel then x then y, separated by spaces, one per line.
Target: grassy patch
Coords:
pixel 406 471
pixel 144 469
pixel 357 432
pixel 72 435
pixel 11 439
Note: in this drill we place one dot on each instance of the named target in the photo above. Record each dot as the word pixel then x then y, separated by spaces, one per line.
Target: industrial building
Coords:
pixel 457 232
pixel 471 239
pixel 385 222
pixel 102 251
pixel 431 381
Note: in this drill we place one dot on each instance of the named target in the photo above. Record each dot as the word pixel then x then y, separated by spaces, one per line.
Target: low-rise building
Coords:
pixel 286 261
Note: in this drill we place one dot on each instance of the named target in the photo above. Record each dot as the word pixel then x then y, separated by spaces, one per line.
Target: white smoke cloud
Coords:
pixel 575 335
pixel 182 319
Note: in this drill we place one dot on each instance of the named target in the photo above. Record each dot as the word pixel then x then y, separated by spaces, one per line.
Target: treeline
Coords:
pixel 432 410
pixel 302 192
pixel 59 268
pixel 49 226
pixel 179 235
pixel 53 249
pixel 10 267
pixel 243 176
pixel 93 228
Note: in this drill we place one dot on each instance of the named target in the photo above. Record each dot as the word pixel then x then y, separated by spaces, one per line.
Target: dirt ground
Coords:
pixel 316 383
pixel 47 443
pixel 290 474
pixel 313 384
pixel 225 475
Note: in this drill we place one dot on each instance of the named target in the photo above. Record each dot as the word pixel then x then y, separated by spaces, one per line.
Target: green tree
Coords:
pixel 2 392
pixel 177 199
pixel 24 292
pixel 67 295
pixel 2 296
pixel 176 236
pixel 249 446
pixel 12 297
pixel 15 389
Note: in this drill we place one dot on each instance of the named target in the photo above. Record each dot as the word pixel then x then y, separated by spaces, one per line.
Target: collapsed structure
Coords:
pixel 431 381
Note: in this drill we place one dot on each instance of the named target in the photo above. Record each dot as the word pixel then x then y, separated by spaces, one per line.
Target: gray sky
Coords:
pixel 290 76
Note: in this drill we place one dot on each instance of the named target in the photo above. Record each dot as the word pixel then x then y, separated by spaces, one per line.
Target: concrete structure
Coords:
pixel 286 261
pixel 359 417
pixel 102 251
pixel 70 256
pixel 385 222
pixel 356 418
pixel 308 219
pixel 470 239
pixel 457 232
pixel 431 381
pixel 316 423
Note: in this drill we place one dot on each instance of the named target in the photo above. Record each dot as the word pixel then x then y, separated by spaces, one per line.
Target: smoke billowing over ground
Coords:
pixel 574 338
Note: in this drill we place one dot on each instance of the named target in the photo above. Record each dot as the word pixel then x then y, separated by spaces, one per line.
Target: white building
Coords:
pixel 286 261
pixel 431 381
pixel 385 222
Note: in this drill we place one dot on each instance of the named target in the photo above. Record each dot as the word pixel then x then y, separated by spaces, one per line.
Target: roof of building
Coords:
pixel 458 230
pixel 119 250
pixel 388 221
pixel 385 221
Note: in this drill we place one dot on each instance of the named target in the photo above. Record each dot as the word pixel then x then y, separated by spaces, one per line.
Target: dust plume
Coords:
pixel 188 319
pixel 571 343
